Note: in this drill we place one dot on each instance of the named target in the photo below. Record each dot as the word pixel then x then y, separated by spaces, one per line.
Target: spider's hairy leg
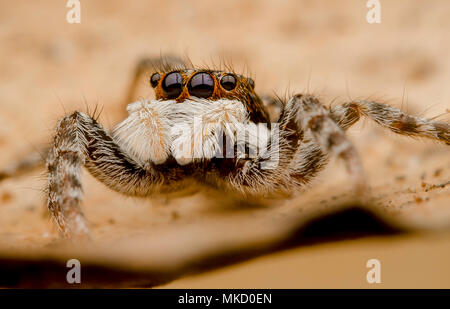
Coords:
pixel 314 119
pixel 80 140
pixel 347 114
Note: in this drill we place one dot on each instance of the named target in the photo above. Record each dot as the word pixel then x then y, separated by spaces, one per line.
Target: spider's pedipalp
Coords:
pixel 144 134
pixel 347 114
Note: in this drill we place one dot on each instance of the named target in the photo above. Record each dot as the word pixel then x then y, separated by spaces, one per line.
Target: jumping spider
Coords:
pixel 141 156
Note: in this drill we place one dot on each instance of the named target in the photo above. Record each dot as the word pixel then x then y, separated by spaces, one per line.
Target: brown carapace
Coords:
pixel 180 85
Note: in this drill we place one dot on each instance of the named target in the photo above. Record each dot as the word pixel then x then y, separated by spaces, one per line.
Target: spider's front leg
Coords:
pixel 81 141
pixel 306 137
pixel 311 118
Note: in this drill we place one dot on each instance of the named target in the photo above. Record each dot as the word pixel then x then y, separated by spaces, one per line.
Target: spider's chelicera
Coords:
pixel 209 127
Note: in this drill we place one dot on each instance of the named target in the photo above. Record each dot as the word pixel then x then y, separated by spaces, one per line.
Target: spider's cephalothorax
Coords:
pixel 189 135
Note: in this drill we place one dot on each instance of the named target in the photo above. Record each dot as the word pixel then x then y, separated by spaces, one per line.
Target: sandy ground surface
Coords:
pixel 49 67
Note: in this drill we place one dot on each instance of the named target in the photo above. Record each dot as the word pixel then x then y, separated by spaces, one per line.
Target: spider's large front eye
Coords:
pixel 155 79
pixel 172 85
pixel 228 82
pixel 201 85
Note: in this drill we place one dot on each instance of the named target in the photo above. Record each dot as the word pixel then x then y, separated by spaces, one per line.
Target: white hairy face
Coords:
pixel 193 129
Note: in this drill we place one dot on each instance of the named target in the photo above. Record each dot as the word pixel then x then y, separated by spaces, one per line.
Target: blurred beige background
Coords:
pixel 49 67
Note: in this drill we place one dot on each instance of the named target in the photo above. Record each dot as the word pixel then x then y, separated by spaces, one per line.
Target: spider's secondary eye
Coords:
pixel 228 82
pixel 251 82
pixel 155 79
pixel 201 85
pixel 172 85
